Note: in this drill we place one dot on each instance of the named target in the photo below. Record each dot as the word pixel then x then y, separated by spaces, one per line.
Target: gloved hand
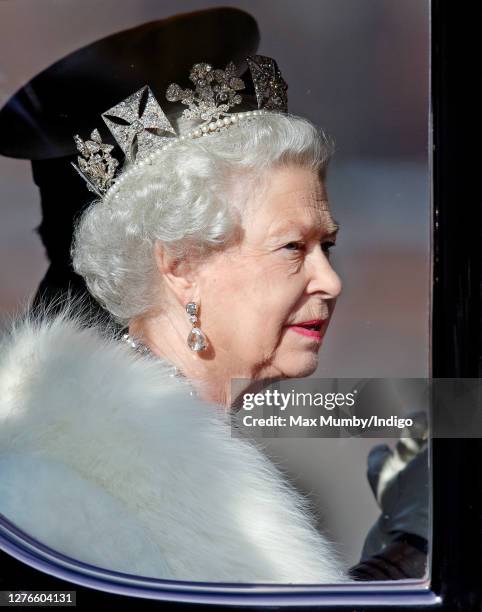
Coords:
pixel 396 545
pixel 402 492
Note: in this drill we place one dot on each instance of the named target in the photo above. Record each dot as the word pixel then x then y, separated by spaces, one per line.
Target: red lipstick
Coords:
pixel 311 329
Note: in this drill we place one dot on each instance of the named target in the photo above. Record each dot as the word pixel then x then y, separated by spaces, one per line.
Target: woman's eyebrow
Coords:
pixel 327 226
pixel 333 227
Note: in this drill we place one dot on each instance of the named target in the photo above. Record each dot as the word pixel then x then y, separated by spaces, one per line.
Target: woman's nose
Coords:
pixel 324 279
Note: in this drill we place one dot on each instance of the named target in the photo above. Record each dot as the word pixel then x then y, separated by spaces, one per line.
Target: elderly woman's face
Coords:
pixel 259 298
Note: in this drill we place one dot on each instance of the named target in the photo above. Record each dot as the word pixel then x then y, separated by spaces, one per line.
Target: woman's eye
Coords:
pixel 299 246
pixel 293 246
pixel 326 246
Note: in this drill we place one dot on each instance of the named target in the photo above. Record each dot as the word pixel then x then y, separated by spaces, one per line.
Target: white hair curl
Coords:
pixel 186 200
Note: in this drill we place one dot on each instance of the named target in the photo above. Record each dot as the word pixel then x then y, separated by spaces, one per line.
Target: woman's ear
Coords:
pixel 175 274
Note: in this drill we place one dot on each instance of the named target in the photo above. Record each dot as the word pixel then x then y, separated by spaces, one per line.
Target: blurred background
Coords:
pixel 360 71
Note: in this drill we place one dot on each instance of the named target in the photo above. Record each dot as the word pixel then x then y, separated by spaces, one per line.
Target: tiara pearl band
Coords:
pixel 198 132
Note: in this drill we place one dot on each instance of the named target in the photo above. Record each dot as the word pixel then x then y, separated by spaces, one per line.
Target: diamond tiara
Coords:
pixel 142 129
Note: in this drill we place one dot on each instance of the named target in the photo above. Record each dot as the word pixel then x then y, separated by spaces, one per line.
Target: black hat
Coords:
pixel 39 121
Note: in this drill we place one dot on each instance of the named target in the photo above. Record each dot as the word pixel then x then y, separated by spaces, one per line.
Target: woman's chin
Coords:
pixel 301 368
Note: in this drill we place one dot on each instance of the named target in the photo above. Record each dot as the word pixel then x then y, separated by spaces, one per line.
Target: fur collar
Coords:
pixel 107 458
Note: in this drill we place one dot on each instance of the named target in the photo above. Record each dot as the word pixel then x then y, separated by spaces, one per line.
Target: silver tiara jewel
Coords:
pixel 142 129
pixel 215 93
pixel 96 165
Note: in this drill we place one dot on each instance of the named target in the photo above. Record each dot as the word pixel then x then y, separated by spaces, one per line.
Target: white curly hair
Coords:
pixel 190 199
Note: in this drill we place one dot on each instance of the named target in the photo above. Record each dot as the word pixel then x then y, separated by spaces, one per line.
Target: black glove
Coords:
pixel 396 546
